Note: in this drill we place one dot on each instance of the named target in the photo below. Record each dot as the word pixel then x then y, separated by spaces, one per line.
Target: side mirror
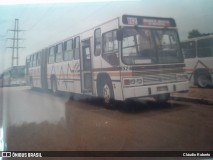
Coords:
pixel 119 34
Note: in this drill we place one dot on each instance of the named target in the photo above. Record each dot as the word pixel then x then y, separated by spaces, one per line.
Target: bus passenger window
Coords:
pixel 52 55
pixel 76 48
pixel 68 50
pixel 38 59
pixel 97 42
pixel 110 48
pixel 205 48
pixel 59 53
pixel 34 60
pixel 31 61
pixel 188 49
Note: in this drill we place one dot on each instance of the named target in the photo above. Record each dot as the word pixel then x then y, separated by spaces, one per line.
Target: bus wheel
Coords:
pixel 203 80
pixel 54 86
pixel 162 98
pixel 106 94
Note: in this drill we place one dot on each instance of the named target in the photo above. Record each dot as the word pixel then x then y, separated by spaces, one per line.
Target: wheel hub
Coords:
pixel 106 93
pixel 203 81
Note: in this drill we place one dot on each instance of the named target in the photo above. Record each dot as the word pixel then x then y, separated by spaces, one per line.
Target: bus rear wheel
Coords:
pixel 162 98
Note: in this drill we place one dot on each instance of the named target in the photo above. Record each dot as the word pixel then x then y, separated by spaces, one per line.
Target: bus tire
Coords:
pixel 54 87
pixel 203 80
pixel 162 98
pixel 106 93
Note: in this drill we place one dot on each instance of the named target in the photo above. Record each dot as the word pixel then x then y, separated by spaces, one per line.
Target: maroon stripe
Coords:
pixel 156 67
pixel 107 69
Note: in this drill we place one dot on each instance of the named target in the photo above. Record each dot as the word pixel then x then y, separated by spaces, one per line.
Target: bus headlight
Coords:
pixel 133 81
pixel 182 77
pixel 139 81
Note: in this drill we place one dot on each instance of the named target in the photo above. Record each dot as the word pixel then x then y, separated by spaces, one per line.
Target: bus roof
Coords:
pixel 125 20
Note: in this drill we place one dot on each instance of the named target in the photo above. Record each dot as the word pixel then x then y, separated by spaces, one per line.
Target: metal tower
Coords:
pixel 15 39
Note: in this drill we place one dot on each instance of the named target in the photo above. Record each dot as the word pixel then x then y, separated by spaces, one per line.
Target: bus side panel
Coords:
pixel 35 76
pixel 44 84
pixel 76 76
pixel 61 76
pixel 50 72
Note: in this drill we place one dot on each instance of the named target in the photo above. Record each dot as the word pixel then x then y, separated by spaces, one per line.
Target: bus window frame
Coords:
pixel 38 57
pixel 195 49
pixel 97 53
pixel 114 59
pixel 198 53
pixel 75 49
pixel 59 53
pixel 34 59
pixel 71 51
pixel 50 55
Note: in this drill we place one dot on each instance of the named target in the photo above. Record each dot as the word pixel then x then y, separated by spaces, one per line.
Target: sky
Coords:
pixel 48 23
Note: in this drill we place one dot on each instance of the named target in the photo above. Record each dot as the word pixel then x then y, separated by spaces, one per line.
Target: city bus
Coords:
pixel 14 76
pixel 198 54
pixel 127 57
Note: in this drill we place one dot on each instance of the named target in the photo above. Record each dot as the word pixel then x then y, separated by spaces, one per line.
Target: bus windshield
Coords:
pixel 146 46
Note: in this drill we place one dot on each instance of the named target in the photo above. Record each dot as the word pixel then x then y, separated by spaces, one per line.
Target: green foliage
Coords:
pixel 194 33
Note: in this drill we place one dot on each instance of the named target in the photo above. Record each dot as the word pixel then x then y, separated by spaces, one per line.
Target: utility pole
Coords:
pixel 15 39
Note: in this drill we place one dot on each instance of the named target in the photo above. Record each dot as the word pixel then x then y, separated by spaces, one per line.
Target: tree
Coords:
pixel 194 33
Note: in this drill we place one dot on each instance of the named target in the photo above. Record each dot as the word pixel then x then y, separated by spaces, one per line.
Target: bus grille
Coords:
pixel 160 78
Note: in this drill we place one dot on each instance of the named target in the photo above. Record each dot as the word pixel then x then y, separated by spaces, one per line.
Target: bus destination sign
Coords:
pixel 148 21
pixel 156 22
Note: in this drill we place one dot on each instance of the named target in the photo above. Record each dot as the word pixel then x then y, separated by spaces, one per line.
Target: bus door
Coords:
pixel 86 73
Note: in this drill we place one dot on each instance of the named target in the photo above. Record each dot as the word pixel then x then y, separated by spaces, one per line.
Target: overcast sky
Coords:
pixel 48 23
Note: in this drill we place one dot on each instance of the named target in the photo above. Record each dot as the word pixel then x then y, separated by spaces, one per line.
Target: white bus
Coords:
pixel 198 54
pixel 124 58
pixel 14 76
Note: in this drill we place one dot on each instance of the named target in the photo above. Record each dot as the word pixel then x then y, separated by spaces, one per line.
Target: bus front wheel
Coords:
pixel 106 93
pixel 203 80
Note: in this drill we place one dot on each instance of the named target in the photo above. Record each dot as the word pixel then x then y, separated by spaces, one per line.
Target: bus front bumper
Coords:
pixel 145 91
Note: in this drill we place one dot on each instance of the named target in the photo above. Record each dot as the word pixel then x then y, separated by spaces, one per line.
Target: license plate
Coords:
pixel 162 88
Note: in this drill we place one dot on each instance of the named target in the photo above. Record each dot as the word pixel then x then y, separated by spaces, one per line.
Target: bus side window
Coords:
pixel 188 49
pixel 59 52
pixel 97 42
pixel 34 60
pixel 205 48
pixel 38 59
pixel 68 50
pixel 31 61
pixel 76 47
pixel 52 55
pixel 110 47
